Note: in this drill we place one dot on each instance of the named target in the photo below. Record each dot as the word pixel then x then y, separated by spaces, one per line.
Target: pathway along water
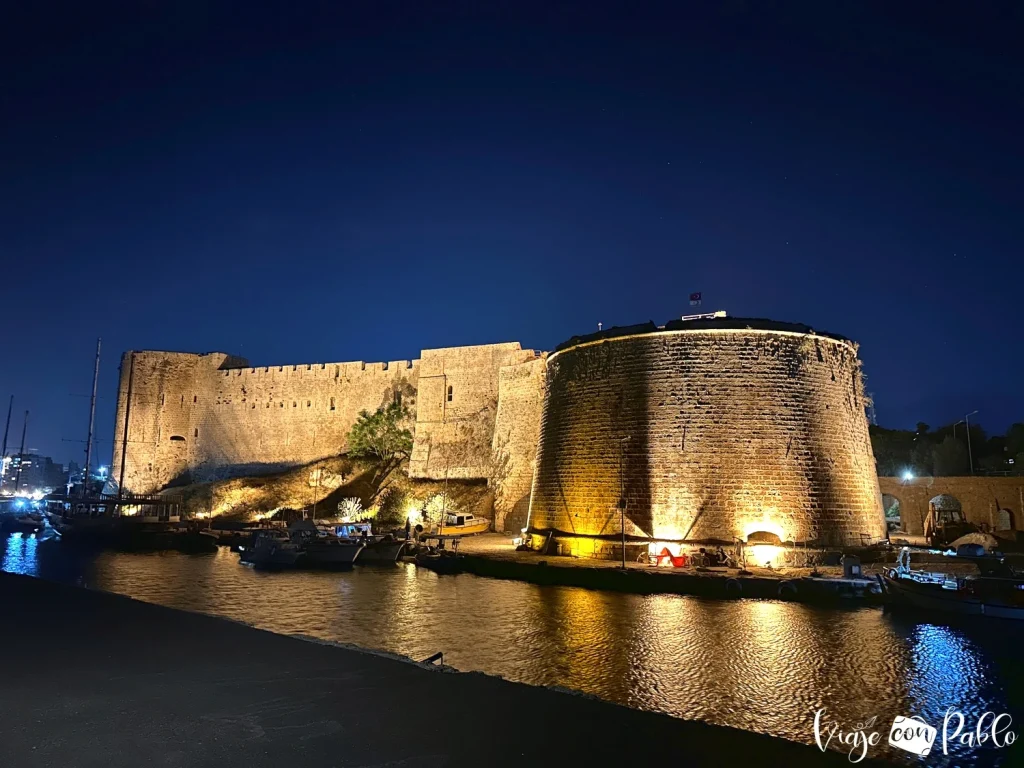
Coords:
pixel 764 666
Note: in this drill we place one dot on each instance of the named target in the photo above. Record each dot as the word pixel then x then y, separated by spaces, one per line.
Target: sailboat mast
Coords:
pixel 92 420
pixel 21 455
pixel 3 451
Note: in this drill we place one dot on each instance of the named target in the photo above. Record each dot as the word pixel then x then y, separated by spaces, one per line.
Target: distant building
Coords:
pixel 28 472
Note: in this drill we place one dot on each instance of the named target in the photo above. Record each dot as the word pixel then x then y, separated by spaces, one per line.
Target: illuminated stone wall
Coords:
pixel 709 434
pixel 200 417
pixel 996 503
pixel 458 403
pixel 514 448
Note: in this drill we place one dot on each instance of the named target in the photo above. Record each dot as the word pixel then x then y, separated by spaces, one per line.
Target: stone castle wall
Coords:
pixel 199 417
pixel 709 431
pixel 514 448
pixel 707 434
pixel 458 404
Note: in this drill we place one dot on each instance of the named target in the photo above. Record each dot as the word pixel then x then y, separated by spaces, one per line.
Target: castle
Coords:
pixel 703 430
pixel 198 417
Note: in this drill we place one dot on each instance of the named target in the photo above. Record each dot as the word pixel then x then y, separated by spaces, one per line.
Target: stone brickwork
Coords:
pixel 514 448
pixel 199 417
pixel 458 403
pixel 709 432
pixel 996 503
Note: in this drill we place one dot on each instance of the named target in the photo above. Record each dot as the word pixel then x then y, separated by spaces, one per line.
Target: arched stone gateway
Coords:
pixel 893 517
pixel 994 504
pixel 1005 521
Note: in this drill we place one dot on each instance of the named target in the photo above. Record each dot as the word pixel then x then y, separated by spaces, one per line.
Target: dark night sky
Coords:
pixel 329 181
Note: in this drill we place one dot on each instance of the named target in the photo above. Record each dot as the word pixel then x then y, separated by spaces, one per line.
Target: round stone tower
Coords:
pixel 710 431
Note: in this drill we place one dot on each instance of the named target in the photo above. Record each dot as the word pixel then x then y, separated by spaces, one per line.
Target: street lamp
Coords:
pixel 970 454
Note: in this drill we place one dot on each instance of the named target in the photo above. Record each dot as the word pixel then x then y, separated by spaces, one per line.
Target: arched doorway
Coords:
pixel 945 521
pixel 947 508
pixel 1004 520
pixel 893 518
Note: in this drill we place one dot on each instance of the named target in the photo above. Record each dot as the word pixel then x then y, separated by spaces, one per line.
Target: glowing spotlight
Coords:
pixel 767 555
pixel 907 475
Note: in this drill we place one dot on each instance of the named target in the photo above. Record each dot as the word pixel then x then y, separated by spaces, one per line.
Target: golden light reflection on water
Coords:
pixel 764 666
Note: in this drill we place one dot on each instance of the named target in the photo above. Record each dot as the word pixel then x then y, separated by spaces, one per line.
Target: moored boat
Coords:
pixel 997 591
pixel 25 524
pixel 377 549
pixel 321 549
pixel 272 548
pixel 464 524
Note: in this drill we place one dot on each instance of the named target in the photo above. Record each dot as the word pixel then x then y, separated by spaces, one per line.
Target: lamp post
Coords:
pixel 622 499
pixel 970 454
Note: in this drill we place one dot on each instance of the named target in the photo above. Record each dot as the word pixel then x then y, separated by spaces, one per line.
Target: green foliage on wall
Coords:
pixel 385 436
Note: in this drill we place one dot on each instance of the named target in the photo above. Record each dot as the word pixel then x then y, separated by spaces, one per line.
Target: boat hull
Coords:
pixel 331 555
pixel 440 563
pixel 282 558
pixel 478 526
pixel 925 597
pixel 129 535
pixel 381 552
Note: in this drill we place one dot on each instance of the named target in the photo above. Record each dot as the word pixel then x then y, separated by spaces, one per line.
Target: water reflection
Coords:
pixel 20 555
pixel 762 666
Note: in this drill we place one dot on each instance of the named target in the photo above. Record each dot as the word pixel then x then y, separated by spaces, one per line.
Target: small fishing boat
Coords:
pixel 441 554
pixel 377 549
pixel 997 591
pixel 272 548
pixel 464 524
pixel 22 524
pixel 321 548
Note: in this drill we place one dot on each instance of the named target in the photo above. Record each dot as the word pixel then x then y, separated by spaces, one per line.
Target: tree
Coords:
pixel 898 451
pixel 385 436
pixel 1015 439
pixel 950 458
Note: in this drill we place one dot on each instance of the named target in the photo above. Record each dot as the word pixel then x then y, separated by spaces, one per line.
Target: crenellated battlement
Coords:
pixel 202 416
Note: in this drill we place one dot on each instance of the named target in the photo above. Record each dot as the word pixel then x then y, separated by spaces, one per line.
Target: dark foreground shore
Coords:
pixel 94 679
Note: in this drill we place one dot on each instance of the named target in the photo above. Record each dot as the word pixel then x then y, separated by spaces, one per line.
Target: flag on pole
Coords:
pixel 695 299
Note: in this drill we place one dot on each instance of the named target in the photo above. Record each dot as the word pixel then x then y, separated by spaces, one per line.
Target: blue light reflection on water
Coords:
pixel 764 666
pixel 951 670
pixel 20 555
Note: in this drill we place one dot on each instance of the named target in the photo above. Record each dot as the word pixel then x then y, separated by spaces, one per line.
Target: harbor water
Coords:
pixel 764 666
